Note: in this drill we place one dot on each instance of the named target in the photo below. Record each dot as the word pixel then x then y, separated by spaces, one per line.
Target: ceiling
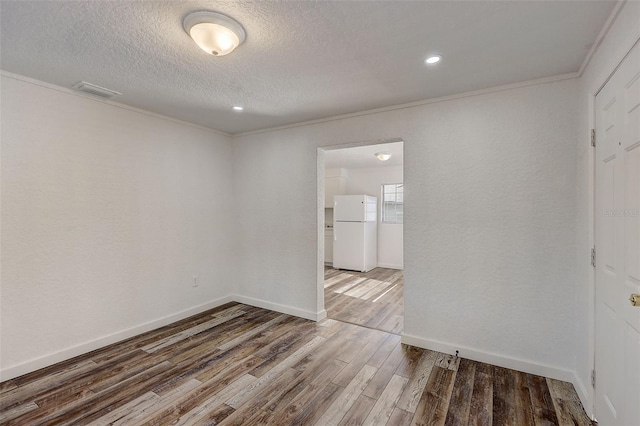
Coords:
pixel 363 157
pixel 301 60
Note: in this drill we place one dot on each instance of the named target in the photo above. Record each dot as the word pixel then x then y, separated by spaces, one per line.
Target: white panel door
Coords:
pixel 617 216
pixel 349 208
pixel 348 246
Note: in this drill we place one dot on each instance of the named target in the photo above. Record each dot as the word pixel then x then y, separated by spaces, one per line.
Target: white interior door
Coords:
pixel 617 221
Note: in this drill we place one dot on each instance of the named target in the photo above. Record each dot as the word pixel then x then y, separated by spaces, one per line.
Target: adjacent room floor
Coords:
pixel 372 299
pixel 241 365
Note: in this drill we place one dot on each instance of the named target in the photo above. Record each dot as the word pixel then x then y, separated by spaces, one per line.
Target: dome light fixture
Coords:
pixel 383 156
pixel 433 59
pixel 213 32
pixel 237 108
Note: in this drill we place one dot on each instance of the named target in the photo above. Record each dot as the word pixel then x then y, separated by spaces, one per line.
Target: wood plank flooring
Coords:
pixel 371 299
pixel 241 365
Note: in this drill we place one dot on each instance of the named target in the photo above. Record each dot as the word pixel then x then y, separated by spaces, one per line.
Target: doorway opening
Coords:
pixel 351 287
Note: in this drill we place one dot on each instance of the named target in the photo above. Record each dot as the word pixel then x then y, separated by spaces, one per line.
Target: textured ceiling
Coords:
pixel 363 157
pixel 302 60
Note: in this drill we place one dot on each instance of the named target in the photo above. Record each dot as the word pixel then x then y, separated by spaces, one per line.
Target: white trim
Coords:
pixel 289 310
pixel 107 101
pixel 68 91
pixel 589 405
pixel 83 348
pixel 390 266
pixel 320 232
pixel 590 401
pixel 582 392
pixel 320 176
pixel 524 365
pixel 368 142
pixel 535 82
pixel 601 35
pixel 616 68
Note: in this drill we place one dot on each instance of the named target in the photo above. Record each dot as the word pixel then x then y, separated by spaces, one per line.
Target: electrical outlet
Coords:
pixel 196 281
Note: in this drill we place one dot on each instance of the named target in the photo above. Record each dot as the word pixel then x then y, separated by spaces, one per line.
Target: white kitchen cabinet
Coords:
pixel 328 247
pixel 334 184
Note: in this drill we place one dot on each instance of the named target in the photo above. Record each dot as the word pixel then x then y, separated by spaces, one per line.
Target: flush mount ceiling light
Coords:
pixel 213 32
pixel 238 108
pixel 383 156
pixel 433 59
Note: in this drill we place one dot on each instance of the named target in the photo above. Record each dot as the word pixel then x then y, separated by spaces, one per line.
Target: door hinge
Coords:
pixel 593 257
pixel 593 137
pixel 593 379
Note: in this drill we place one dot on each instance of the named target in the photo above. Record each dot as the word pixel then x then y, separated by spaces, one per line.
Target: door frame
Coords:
pixel 320 168
pixel 591 392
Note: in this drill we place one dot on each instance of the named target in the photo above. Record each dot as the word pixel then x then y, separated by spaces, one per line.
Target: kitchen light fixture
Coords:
pixel 213 32
pixel 383 156
pixel 433 59
pixel 238 108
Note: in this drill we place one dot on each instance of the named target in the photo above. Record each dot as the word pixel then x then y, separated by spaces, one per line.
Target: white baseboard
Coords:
pixel 390 266
pixel 583 394
pixel 491 358
pixel 83 348
pixel 289 310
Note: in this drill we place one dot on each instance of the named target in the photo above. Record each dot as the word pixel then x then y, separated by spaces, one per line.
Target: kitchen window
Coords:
pixel 392 202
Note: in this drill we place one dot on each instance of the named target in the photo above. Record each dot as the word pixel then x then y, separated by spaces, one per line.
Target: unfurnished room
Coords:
pixel 320 212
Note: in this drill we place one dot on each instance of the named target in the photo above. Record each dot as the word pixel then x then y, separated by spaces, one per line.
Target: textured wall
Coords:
pixel 489 222
pixel 624 32
pixel 370 181
pixel 490 240
pixel 96 198
pixel 107 214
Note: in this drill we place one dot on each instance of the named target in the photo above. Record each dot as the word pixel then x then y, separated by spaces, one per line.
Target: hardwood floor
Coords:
pixel 372 299
pixel 241 365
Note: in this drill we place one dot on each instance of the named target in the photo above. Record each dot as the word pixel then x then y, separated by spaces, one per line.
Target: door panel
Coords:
pixel 617 221
pixel 632 187
pixel 632 233
pixel 632 351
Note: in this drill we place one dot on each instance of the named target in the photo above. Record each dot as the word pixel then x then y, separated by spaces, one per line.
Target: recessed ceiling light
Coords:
pixel 433 59
pixel 238 108
pixel 213 32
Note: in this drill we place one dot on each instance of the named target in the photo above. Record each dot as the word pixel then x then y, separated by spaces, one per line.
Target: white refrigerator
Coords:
pixel 355 232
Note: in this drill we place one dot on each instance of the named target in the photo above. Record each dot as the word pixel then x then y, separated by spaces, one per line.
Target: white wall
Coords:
pixel 277 218
pixel 100 236
pixel 490 236
pixel 369 181
pixel 619 39
pixel 107 214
